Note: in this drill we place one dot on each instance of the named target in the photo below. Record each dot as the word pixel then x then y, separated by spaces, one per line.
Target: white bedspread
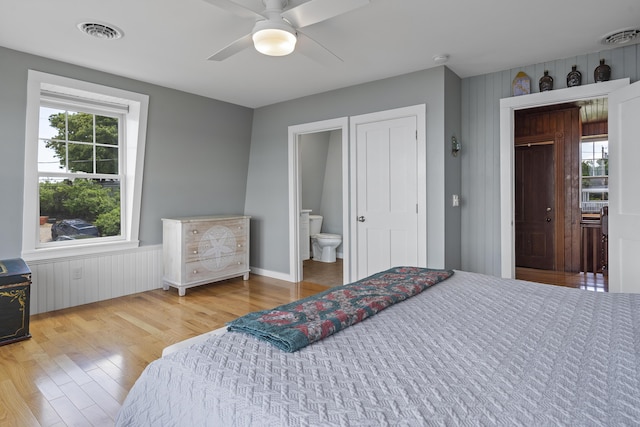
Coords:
pixel 472 350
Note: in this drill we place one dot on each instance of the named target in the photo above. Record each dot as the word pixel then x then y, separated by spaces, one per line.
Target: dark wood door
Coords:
pixel 535 206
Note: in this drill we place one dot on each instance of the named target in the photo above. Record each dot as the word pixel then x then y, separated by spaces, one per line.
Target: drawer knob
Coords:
pixel 239 245
pixel 195 271
pixel 195 231
pixel 195 252
pixel 239 263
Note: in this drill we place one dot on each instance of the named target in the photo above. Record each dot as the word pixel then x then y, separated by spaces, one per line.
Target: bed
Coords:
pixel 470 350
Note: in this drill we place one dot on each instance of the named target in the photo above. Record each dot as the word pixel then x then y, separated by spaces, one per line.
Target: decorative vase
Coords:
pixel 546 82
pixel 574 78
pixel 602 73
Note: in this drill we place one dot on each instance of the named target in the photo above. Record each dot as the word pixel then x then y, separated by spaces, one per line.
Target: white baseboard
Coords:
pixel 273 274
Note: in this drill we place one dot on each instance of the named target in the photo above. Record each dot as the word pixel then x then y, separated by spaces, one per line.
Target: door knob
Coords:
pixel 361 219
pixel 548 209
pixel 548 219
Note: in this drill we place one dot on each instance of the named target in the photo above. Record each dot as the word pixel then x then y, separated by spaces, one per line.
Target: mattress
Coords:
pixel 472 350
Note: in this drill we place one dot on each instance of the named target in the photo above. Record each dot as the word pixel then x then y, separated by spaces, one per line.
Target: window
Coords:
pixel 83 169
pixel 595 175
pixel 79 180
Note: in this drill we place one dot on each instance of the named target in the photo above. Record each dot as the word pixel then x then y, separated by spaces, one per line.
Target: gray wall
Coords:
pixel 331 203
pixel 313 164
pixel 481 144
pixel 267 181
pixel 321 170
pixel 196 160
pixel 453 165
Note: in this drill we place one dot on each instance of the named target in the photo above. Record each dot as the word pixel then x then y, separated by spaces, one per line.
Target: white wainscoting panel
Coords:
pixel 68 282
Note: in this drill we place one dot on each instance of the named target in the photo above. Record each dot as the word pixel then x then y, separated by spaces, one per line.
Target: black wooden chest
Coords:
pixel 15 288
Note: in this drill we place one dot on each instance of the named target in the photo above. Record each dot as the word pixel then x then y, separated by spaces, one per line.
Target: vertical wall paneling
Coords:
pixel 64 283
pixel 491 160
pixel 481 136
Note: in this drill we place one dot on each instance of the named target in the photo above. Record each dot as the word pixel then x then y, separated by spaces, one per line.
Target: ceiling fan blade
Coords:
pixel 232 49
pixel 236 9
pixel 314 50
pixel 315 11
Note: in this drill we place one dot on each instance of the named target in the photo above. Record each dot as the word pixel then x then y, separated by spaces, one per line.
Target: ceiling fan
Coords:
pixel 277 31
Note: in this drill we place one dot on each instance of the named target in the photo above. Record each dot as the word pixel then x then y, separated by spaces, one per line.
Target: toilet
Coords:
pixel 323 245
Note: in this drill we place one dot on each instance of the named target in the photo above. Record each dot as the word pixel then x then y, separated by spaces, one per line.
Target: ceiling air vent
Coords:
pixel 101 31
pixel 621 37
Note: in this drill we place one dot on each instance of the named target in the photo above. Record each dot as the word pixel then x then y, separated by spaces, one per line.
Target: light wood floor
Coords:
pixel 323 273
pixel 81 362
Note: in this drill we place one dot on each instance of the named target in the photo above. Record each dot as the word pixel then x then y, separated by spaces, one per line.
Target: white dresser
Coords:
pixel 199 250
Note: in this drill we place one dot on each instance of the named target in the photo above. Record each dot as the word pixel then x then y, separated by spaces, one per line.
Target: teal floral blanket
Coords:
pixel 293 326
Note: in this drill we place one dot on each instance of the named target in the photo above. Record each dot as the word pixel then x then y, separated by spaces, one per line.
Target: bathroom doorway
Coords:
pixel 318 182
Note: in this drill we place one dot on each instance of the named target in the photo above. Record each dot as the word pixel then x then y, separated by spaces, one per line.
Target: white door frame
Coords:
pixel 295 261
pixel 507 129
pixel 419 111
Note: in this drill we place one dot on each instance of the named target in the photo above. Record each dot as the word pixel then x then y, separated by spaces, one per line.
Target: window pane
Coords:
pixel 107 160
pixel 79 209
pixel 80 158
pixel 595 171
pixel 601 149
pixel 50 119
pixel 106 130
pixel 80 126
pixel 48 158
pixel 587 151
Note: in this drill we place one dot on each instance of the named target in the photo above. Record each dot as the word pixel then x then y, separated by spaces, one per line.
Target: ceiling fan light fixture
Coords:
pixel 274 41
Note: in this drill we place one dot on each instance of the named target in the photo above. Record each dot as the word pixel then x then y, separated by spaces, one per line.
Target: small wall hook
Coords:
pixel 455 146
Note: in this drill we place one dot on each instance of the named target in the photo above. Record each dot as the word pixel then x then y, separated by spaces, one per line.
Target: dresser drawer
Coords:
pixel 205 249
pixel 194 231
pixel 215 242
pixel 199 271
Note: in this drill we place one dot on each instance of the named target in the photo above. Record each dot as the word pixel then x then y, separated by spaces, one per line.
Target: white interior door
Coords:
pixel 624 194
pixel 386 194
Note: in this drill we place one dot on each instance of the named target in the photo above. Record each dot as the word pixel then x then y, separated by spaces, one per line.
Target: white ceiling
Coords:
pixel 168 42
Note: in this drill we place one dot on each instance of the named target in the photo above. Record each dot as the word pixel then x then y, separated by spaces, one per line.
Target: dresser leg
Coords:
pixel 245 276
pixel 165 286
pixel 182 291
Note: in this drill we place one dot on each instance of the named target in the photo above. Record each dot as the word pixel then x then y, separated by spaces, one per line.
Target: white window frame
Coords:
pixel 131 155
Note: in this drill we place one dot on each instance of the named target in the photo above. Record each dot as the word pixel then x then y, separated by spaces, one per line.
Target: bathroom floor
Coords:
pixel 322 273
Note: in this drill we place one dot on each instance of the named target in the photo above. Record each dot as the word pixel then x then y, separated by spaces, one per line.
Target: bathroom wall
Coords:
pixel 321 178
pixel 313 159
pixel 331 203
